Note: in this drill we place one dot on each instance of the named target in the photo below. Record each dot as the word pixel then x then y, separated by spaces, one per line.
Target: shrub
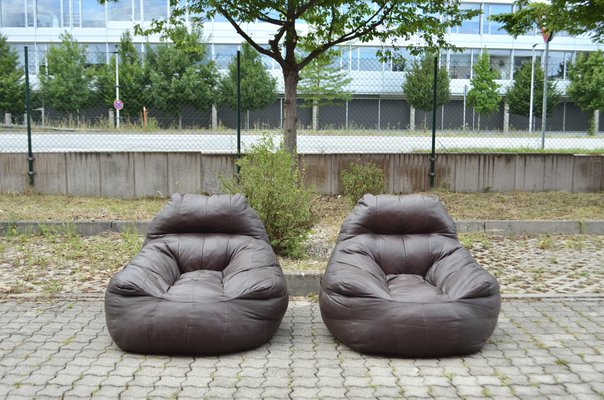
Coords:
pixel 270 179
pixel 360 179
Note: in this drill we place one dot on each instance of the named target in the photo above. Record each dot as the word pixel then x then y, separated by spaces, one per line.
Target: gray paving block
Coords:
pixel 512 359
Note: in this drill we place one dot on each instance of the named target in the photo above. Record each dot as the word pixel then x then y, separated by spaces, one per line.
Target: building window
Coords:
pixel 93 14
pixel 556 65
pixel 345 60
pixel 491 27
pixel 120 11
pixel 154 9
pixel 48 14
pixel 460 65
pixel 501 62
pixel 368 60
pixel 96 53
pixel 12 13
pixel 224 54
pixel 470 26
pixel 522 57
pixel 401 60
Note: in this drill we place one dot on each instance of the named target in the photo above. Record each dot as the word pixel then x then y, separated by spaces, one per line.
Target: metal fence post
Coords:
pixel 238 107
pixel 30 156
pixel 433 154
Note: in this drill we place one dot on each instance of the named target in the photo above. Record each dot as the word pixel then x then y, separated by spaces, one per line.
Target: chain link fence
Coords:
pixel 375 116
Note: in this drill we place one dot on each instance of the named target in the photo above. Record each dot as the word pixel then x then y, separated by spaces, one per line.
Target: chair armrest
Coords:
pixel 253 272
pixel 353 272
pixel 150 273
pixel 461 277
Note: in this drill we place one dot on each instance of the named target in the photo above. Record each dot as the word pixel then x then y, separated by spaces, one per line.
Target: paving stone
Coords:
pixel 248 393
pixel 82 391
pixel 163 392
pixel 506 366
pixel 115 380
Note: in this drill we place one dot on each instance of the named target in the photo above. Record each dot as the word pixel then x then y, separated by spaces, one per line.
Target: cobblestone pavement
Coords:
pixel 548 348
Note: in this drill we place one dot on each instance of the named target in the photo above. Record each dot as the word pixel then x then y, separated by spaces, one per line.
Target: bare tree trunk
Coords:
pixel 315 116
pixel 291 78
pixel 478 122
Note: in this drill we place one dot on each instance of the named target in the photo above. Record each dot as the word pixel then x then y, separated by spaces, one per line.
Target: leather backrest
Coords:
pixel 194 213
pixel 398 215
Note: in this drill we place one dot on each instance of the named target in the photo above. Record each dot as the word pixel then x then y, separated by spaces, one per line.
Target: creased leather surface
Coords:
pixel 399 282
pixel 206 281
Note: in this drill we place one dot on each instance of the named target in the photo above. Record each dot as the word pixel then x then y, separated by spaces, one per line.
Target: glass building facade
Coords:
pixel 39 23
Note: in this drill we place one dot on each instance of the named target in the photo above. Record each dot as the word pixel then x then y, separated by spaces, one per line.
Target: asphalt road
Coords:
pixel 222 143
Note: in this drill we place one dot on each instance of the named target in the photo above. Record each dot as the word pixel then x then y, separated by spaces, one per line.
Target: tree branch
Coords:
pixel 361 30
pixel 272 54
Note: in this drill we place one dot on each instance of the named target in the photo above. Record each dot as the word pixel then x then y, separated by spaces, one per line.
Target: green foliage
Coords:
pixel 587 83
pixel 270 179
pixel 484 94
pixel 179 73
pixel 322 83
pixel 419 81
pixel 12 84
pixel 258 87
pixel 66 85
pixel 326 24
pixel 132 78
pixel 519 94
pixel 574 16
pixel 359 180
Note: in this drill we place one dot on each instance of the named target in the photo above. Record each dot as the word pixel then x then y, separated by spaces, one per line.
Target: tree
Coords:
pixel 12 85
pixel 574 16
pixel 325 24
pixel 66 83
pixel 132 78
pixel 322 84
pixel 180 74
pixel 258 87
pixel 587 84
pixel 418 85
pixel 484 95
pixel 519 94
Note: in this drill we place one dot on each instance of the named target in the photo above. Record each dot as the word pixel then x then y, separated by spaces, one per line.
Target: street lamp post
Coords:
pixel 117 88
pixel 547 37
pixel 532 96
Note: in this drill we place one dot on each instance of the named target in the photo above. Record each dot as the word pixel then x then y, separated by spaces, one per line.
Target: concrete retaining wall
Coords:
pixel 140 174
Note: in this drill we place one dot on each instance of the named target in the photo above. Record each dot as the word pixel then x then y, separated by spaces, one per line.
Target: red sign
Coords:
pixel 547 36
pixel 118 104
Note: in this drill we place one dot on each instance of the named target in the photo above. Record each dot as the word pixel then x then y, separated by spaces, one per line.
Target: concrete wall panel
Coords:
pixel 13 172
pixel 530 172
pixel 558 173
pixel 151 174
pixel 50 173
pixel 131 175
pixel 410 173
pixel 318 172
pixel 587 174
pixel 503 181
pixel 117 175
pixel 83 172
pixel 467 170
pixel 184 173
pixel 215 167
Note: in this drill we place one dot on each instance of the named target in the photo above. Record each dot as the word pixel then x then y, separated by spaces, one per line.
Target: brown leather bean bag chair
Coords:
pixel 206 281
pixel 400 283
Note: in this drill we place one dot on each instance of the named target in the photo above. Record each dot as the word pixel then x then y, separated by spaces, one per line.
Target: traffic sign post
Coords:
pixel 118 105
